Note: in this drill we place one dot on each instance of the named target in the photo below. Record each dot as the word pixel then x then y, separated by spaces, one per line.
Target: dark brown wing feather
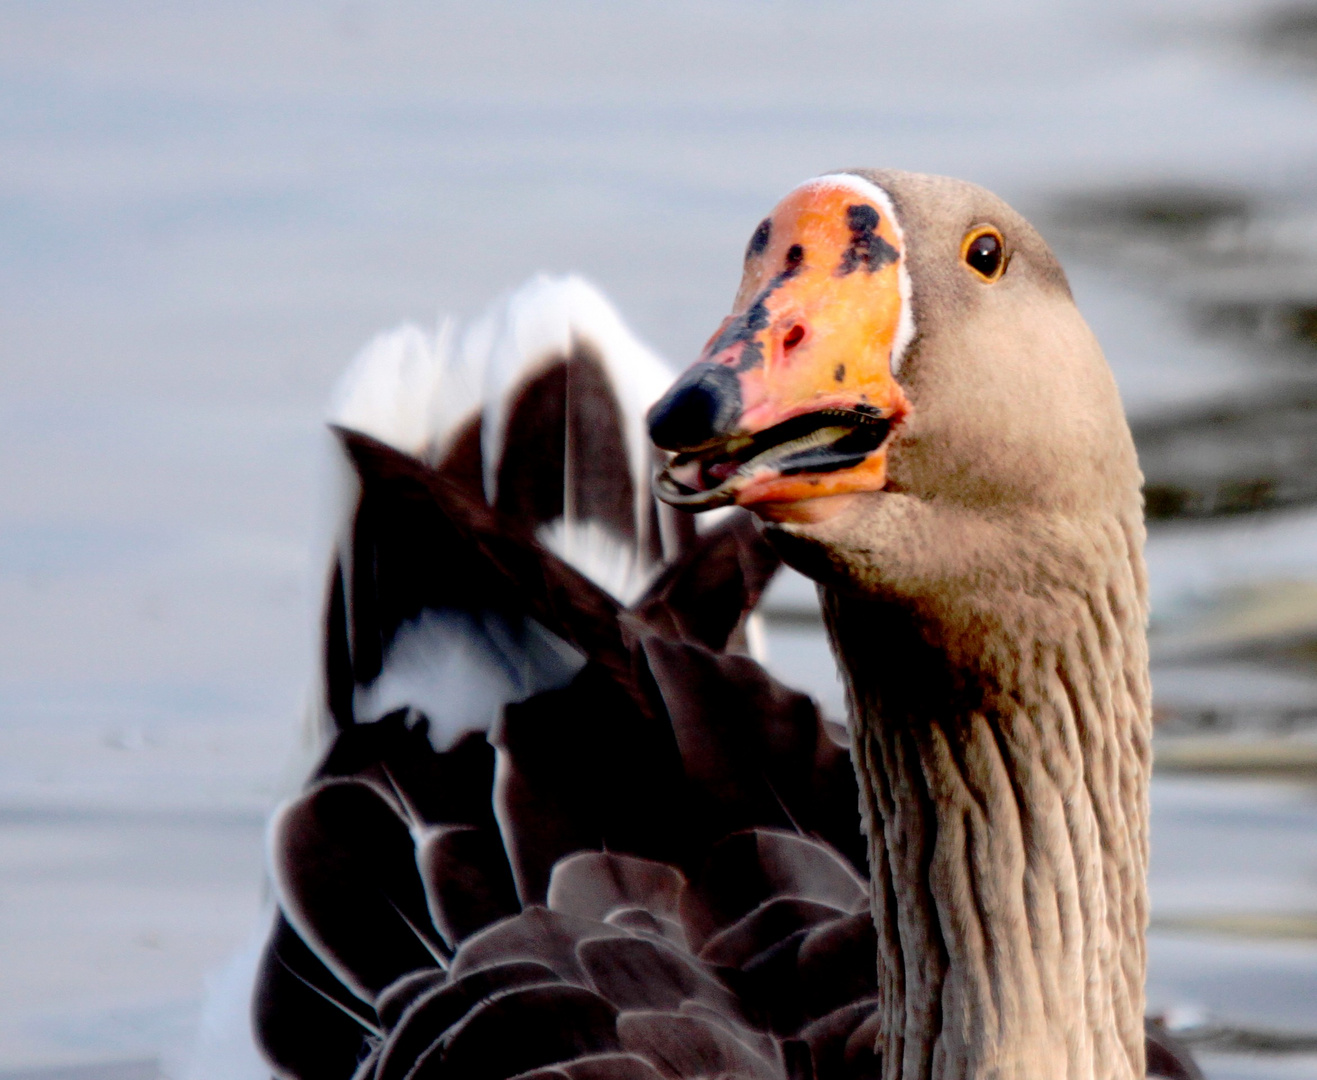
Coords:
pixel 347 881
pixel 704 594
pixel 467 879
pixel 1168 1057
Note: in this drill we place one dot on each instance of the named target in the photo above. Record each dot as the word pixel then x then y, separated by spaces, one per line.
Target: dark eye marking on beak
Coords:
pixel 839 372
pixel 762 234
pixel 743 329
pixel 745 326
pixel 866 248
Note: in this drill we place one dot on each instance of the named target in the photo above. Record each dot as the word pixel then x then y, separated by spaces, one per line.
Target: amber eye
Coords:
pixel 984 252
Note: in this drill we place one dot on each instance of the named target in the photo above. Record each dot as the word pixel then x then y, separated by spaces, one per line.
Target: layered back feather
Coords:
pixel 563 829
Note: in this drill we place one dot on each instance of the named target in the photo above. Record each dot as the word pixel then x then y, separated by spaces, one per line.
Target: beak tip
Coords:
pixel 702 405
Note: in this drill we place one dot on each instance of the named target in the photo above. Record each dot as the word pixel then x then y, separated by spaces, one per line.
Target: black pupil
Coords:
pixel 984 254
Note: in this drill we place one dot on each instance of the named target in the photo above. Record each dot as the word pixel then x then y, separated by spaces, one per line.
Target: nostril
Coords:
pixel 794 337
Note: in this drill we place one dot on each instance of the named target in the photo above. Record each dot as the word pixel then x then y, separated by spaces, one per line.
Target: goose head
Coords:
pixel 904 375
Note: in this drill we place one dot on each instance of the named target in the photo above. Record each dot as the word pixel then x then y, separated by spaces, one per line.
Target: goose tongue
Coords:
pixel 811 446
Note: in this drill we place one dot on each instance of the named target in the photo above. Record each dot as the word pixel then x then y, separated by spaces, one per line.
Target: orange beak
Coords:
pixel 795 395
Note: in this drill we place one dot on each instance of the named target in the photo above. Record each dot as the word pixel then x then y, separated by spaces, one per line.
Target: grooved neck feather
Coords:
pixel 1004 790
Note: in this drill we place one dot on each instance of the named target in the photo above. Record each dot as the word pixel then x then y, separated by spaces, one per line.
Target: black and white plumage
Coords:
pixel 538 407
pixel 563 826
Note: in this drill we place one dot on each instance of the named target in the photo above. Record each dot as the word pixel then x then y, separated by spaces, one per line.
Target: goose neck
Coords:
pixel 1004 779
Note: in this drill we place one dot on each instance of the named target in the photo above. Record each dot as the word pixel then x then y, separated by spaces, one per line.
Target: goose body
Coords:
pixel 565 827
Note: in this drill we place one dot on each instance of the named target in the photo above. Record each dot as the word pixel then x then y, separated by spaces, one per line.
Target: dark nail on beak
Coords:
pixel 701 406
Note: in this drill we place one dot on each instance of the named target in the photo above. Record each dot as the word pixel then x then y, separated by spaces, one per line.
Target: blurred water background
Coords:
pixel 206 209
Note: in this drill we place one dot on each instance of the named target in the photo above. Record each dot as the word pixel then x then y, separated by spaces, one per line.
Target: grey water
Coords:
pixel 205 210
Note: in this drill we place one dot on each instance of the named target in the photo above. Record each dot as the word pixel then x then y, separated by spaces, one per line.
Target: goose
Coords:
pixel 636 854
pixel 907 391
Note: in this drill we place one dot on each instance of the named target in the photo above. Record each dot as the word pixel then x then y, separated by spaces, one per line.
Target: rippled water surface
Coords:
pixel 204 211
